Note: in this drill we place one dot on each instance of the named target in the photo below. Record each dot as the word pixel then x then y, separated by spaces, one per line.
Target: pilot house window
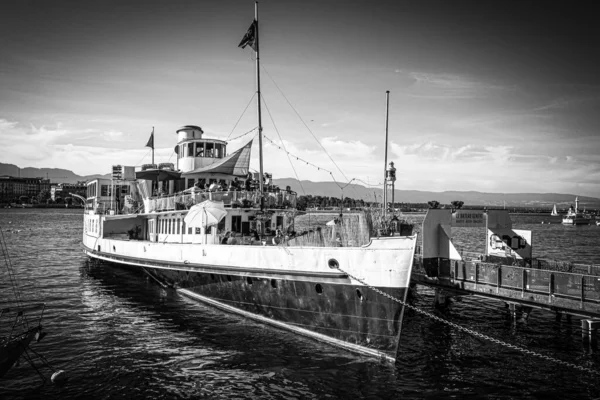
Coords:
pixel 199 149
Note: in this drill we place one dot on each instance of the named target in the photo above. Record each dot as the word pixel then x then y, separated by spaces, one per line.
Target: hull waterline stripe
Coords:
pixel 180 266
pixel 354 348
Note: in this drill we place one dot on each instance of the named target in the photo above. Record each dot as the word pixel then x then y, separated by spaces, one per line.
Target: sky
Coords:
pixel 484 96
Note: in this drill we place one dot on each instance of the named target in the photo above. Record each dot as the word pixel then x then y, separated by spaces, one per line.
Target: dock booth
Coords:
pixel 503 243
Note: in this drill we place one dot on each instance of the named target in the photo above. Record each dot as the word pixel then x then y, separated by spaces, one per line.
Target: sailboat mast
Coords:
pixel 387 108
pixel 260 145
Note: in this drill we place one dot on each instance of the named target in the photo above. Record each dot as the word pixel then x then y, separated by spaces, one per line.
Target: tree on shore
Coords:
pixel 457 204
pixel 434 204
pixel 43 196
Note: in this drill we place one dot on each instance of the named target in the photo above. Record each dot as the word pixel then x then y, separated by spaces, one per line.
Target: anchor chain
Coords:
pixel 472 332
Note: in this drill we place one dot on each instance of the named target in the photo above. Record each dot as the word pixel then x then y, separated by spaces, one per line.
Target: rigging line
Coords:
pixel 240 118
pixel 145 155
pixel 296 157
pixel 313 135
pixel 11 274
pixel 243 134
pixel 286 152
pixel 369 184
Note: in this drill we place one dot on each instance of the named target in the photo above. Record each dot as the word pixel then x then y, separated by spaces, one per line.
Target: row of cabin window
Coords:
pixel 175 226
pixel 202 149
pixel 92 225
pixel 106 190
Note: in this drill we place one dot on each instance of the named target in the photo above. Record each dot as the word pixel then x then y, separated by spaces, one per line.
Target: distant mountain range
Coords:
pixel 536 200
pixel 331 189
pixel 56 175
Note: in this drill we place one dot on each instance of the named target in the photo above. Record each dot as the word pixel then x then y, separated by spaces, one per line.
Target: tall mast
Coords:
pixel 152 145
pixel 260 146
pixel 387 108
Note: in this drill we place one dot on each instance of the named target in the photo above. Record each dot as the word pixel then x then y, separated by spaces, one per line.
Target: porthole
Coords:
pixel 273 283
pixel 228 278
pixel 212 276
pixel 319 288
pixel 333 263
pixel 249 280
pixel 359 294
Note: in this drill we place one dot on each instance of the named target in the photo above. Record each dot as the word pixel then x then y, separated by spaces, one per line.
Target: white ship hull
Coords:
pixel 296 288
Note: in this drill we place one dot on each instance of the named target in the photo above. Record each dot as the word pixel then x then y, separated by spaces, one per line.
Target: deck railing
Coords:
pixel 183 201
pixel 242 199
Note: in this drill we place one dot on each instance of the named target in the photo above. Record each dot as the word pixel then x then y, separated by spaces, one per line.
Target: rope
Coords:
pixel 282 144
pixel 474 333
pixel 243 134
pixel 12 276
pixel 30 361
pixel 305 125
pixel 238 121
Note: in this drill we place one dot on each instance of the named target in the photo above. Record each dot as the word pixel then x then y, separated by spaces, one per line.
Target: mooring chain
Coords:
pixel 472 332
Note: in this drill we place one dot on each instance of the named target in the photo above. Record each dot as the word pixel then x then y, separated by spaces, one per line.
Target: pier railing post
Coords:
pixel 499 279
pixel 589 333
pixel 551 288
pixel 582 290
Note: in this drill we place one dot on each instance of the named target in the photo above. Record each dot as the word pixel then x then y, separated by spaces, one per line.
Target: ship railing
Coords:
pixel 235 199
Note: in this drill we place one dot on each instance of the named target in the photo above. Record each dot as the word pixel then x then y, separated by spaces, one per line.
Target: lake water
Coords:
pixel 119 335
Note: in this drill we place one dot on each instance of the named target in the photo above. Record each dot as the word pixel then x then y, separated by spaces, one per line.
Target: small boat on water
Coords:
pixel 19 325
pixel 574 217
pixel 219 234
pixel 554 212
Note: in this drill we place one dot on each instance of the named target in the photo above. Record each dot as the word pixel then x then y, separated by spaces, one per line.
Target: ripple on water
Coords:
pixel 121 336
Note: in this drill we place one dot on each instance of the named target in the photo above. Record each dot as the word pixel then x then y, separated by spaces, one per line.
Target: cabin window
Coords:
pixel 236 223
pixel 178 223
pixel 218 150
pixel 190 183
pixel 198 231
pixel 190 230
pixel 169 227
pixel 199 149
pixel 210 149
pixel 104 190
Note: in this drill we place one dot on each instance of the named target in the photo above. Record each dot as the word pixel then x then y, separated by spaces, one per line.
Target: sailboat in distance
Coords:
pixel 217 233
pixel 554 213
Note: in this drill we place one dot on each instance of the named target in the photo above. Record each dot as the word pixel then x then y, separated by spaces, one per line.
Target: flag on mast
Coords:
pixel 249 38
pixel 151 140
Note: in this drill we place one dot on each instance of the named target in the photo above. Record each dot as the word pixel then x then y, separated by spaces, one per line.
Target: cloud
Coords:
pixel 44 147
pixel 450 86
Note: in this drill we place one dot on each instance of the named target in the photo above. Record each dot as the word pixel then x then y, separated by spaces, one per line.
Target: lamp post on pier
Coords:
pixel 390 179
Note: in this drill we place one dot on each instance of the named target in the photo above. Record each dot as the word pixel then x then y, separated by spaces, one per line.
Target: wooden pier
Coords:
pixel 563 292
pixel 506 271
